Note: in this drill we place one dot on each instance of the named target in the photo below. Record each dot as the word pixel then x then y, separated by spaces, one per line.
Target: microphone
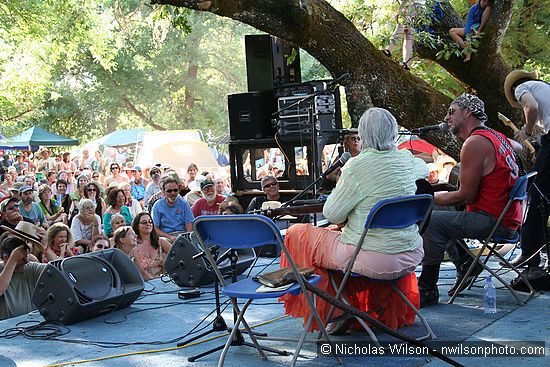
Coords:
pixel 339 163
pixel 338 80
pixel 421 130
pixel 340 131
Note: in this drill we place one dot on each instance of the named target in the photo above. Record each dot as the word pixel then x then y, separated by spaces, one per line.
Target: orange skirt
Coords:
pixel 376 297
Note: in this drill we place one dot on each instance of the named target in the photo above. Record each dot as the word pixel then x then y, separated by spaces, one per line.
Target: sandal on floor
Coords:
pixel 387 53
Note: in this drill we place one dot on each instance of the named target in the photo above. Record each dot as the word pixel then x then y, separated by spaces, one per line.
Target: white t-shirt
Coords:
pixel 541 92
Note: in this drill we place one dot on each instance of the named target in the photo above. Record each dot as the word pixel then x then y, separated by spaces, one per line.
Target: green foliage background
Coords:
pixel 83 68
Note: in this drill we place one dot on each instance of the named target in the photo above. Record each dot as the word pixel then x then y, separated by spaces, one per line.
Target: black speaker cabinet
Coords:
pixel 250 115
pixel 81 287
pixel 267 62
pixel 188 269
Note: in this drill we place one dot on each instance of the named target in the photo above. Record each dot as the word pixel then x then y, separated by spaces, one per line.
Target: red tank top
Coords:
pixel 494 189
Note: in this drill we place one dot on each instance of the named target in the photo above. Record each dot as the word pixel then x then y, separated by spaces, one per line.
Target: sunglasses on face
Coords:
pixel 91 190
pixel 114 167
pixel 144 222
pixel 100 245
pixel 270 185
pixel 355 138
pixel 171 190
pixel 451 111
pixel 95 176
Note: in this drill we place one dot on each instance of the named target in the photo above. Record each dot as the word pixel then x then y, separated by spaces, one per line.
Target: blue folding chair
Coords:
pixel 395 213
pixel 518 193
pixel 246 231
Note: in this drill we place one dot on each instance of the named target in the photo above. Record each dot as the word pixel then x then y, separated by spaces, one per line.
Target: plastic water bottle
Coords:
pixel 490 296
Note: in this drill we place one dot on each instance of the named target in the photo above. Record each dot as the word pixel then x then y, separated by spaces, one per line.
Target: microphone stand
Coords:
pixel 219 323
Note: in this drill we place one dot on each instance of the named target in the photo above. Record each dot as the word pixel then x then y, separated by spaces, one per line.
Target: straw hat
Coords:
pixel 513 77
pixel 266 205
pixel 26 231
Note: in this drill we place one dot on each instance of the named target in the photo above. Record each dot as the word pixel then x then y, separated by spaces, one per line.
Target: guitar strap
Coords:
pixel 506 144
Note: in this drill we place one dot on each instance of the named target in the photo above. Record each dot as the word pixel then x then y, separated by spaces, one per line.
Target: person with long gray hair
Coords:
pixel 378 172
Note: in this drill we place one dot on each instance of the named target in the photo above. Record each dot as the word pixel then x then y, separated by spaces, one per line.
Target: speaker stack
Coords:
pixel 85 286
pixel 188 268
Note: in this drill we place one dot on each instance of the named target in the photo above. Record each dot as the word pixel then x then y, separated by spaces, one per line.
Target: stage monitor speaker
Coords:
pixel 188 269
pixel 267 62
pixel 85 286
pixel 250 115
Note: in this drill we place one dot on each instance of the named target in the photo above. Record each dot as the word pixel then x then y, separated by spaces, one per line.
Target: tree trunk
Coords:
pixel 318 28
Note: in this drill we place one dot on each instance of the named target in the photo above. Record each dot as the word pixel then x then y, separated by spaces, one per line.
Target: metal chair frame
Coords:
pixel 400 212
pixel 518 193
pixel 245 231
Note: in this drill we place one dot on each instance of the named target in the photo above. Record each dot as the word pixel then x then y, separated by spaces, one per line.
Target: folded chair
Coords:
pixel 400 212
pixel 518 193
pixel 246 231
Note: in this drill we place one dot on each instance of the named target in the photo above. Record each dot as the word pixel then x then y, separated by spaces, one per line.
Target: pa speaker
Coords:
pixel 188 268
pixel 250 115
pixel 85 286
pixel 267 62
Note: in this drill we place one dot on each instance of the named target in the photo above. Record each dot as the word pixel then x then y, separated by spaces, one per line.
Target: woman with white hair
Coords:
pixel 378 172
pixel 86 225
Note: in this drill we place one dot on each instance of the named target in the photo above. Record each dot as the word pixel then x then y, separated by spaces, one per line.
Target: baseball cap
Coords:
pixel 206 183
pixel 25 188
pixel 5 203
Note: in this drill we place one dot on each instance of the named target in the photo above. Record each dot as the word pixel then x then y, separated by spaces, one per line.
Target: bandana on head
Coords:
pixel 474 104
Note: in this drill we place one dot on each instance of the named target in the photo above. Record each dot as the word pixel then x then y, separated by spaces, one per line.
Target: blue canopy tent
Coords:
pixel 123 137
pixel 36 136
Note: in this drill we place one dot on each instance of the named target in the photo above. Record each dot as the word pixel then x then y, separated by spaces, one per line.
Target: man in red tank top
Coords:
pixel 488 172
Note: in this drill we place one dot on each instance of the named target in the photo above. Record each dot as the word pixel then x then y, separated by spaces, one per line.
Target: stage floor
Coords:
pixel 146 333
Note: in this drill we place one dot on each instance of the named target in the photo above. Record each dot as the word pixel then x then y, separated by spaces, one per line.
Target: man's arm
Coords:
pixel 472 168
pixel 161 233
pixel 9 267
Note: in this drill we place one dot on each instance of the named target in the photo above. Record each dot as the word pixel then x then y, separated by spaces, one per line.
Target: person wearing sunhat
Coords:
pixel 210 202
pixel 195 193
pixel 524 90
pixel 45 162
pixel 18 276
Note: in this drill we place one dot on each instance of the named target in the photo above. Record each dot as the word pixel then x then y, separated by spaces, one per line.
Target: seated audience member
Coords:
pixel 93 192
pixel 172 214
pixel 138 184
pixel 86 225
pixel 81 183
pixel 192 171
pixel 100 243
pixel 133 205
pixel 125 240
pixel 117 199
pixel 51 210
pixel 151 250
pixel 375 174
pixel 154 186
pixel 18 276
pixel 59 243
pixel 433 177
pixel 485 186
pixel 270 186
pixel 477 19
pixel 29 209
pixel 63 199
pixel 116 176
pixel 195 193
pixel 229 207
pixel 209 204
pixel 10 216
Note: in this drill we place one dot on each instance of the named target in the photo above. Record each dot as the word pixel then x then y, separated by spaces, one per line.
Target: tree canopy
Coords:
pixel 83 68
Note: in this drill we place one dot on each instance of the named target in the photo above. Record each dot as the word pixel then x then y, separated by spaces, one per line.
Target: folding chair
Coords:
pixel 518 193
pixel 246 231
pixel 394 213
